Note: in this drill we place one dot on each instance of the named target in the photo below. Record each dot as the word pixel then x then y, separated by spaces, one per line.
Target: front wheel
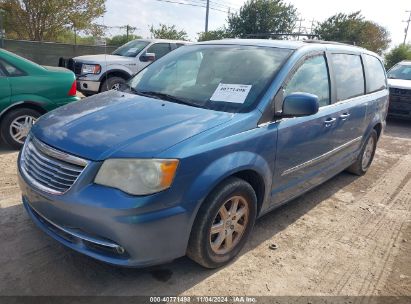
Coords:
pixel 223 224
pixel 112 83
pixel 16 126
pixel 366 155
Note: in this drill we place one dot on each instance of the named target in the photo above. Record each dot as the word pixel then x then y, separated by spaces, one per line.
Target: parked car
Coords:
pixel 99 73
pixel 206 140
pixel 27 91
pixel 399 82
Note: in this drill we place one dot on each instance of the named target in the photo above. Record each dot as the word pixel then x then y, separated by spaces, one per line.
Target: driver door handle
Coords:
pixel 329 122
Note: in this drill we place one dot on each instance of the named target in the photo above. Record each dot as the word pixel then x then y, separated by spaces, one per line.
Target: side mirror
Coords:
pixel 300 104
pixel 148 57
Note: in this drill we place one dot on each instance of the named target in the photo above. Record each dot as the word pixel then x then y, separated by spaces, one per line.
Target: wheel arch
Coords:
pixel 114 73
pixel 257 183
pixel 378 128
pixel 23 105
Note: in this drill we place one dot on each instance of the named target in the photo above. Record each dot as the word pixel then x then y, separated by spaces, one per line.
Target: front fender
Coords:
pixel 224 167
pixel 118 68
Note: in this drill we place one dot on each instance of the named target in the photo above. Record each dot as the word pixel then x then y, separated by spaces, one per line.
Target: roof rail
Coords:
pixel 273 35
pixel 329 42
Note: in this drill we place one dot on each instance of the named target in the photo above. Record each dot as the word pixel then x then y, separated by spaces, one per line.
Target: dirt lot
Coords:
pixel 350 236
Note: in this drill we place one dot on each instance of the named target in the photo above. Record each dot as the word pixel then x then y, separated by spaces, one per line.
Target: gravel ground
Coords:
pixel 350 236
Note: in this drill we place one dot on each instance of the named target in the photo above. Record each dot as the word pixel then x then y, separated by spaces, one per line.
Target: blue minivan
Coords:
pixel 200 144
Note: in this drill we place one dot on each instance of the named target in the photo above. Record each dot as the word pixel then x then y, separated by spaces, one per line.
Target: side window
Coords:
pixel 349 75
pixel 11 69
pixel 374 73
pixel 179 45
pixel 160 49
pixel 311 77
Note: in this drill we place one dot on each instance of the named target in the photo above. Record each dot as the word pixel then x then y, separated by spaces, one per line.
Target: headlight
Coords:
pixel 137 176
pixel 90 69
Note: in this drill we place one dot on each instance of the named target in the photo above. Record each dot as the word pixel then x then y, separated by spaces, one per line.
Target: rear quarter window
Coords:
pixel 374 73
pixel 349 76
pixel 11 70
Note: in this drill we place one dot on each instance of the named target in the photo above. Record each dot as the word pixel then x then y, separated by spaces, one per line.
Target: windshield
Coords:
pixel 220 77
pixel 400 72
pixel 131 49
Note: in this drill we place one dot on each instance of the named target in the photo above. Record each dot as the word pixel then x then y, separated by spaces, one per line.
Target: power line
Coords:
pixel 193 4
pixel 204 4
pixel 221 4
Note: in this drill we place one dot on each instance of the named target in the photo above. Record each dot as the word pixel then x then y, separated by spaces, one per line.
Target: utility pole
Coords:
pixel 2 31
pixel 312 27
pixel 299 28
pixel 408 25
pixel 127 30
pixel 207 13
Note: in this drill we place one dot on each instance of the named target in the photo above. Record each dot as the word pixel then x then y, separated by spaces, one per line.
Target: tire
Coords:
pixel 200 248
pixel 111 82
pixel 20 117
pixel 366 156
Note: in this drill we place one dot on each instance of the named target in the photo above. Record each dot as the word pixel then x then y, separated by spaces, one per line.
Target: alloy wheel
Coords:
pixel 20 127
pixel 368 153
pixel 116 86
pixel 229 225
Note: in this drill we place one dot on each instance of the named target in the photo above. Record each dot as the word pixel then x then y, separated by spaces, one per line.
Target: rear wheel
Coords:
pixel 366 155
pixel 16 126
pixel 223 224
pixel 112 83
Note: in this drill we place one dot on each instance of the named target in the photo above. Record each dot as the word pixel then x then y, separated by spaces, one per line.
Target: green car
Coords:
pixel 28 90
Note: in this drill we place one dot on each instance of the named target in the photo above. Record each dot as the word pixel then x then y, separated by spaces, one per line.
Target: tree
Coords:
pixel 168 32
pixel 213 35
pixel 353 29
pixel 68 37
pixel 119 40
pixel 397 54
pixel 261 17
pixel 46 19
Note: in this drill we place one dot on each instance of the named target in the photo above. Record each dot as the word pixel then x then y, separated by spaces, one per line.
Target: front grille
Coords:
pixel 71 65
pixel 397 91
pixel 400 95
pixel 77 68
pixel 49 169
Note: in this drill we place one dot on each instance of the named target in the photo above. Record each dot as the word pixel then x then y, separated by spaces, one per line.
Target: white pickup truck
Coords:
pixel 99 73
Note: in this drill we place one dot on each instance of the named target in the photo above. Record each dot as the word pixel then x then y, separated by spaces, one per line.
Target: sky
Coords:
pixel 143 13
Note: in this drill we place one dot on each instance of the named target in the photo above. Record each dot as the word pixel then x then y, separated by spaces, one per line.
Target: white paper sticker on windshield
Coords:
pixel 236 93
pixel 132 50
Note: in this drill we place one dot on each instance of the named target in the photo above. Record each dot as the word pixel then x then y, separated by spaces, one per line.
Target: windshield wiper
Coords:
pixel 165 96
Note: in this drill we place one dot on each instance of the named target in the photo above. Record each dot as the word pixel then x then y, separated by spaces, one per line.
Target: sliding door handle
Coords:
pixel 345 116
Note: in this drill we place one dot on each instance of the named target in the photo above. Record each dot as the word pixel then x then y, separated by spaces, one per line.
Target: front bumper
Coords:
pixel 109 225
pixel 88 86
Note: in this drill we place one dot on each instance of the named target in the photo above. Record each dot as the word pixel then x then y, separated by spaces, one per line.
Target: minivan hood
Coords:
pixel 399 83
pixel 116 124
pixel 102 58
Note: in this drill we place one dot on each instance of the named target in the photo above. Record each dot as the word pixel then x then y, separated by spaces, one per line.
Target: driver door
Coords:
pixel 305 144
